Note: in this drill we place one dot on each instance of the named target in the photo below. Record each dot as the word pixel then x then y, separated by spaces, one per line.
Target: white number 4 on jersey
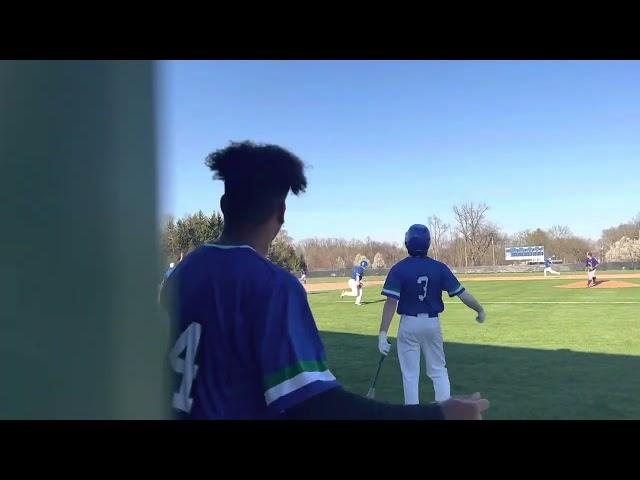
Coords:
pixel 187 341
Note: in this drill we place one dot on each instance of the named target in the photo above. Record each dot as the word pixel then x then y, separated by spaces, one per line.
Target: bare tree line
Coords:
pixel 472 240
pixel 338 253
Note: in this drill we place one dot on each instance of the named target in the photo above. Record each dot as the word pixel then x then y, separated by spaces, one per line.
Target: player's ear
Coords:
pixel 223 204
pixel 282 208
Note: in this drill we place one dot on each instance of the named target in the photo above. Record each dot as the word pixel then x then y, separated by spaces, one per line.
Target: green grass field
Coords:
pixel 577 356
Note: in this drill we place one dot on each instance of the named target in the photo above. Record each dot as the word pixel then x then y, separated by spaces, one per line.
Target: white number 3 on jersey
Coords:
pixel 423 295
pixel 187 341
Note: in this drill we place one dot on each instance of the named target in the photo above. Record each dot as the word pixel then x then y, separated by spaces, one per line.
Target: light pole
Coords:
pixel 493 249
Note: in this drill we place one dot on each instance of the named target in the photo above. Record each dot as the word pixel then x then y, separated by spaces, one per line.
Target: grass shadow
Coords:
pixel 375 301
pixel 521 383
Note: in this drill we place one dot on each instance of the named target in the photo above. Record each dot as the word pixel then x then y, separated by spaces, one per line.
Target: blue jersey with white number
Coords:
pixel 357 273
pixel 245 344
pixel 418 282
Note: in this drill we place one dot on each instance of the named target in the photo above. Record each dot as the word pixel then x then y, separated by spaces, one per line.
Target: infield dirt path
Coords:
pixel 329 286
pixel 602 284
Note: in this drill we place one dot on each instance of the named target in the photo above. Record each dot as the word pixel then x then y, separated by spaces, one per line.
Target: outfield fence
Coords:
pixel 560 267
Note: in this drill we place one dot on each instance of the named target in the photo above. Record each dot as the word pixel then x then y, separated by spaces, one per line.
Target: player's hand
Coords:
pixel 481 317
pixel 464 407
pixel 383 344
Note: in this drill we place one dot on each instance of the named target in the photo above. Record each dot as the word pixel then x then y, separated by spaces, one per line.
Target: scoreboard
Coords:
pixel 524 254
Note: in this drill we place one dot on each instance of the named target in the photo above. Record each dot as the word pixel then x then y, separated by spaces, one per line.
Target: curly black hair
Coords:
pixel 256 178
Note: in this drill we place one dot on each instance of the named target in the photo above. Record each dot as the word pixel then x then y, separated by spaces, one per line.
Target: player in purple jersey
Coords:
pixel 414 286
pixel 245 343
pixel 591 267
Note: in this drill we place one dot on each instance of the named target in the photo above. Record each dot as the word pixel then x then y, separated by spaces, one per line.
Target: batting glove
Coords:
pixel 383 344
pixel 481 317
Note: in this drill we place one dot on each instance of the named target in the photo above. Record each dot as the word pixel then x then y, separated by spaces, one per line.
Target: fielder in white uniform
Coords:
pixel 355 282
pixel 548 269
pixel 414 286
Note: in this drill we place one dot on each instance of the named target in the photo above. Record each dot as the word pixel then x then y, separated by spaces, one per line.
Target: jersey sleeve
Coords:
pixel 290 351
pixel 392 284
pixel 450 283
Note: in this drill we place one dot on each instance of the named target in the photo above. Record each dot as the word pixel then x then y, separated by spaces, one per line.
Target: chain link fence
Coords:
pixel 561 267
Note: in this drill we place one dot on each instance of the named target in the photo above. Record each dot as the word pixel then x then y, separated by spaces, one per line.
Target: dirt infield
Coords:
pixel 329 286
pixel 323 287
pixel 601 284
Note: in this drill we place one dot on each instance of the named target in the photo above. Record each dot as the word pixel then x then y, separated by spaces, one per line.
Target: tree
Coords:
pixel 474 229
pixel 302 262
pixel 630 229
pixel 181 236
pixel 216 224
pixel 168 240
pixel 520 239
pixel 576 249
pixel 282 253
pixel 557 241
pixel 538 237
pixel 378 261
pixel 624 249
pixel 559 232
pixel 321 253
pixel 438 229
pixel 340 263
pixel 359 258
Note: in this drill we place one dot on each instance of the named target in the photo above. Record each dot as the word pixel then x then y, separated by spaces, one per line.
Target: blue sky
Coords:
pixel 391 142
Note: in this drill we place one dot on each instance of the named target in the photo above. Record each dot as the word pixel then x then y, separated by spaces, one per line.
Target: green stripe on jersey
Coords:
pixel 293 370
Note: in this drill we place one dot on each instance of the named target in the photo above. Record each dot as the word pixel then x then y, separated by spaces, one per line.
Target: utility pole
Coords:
pixel 493 248
pixel 466 263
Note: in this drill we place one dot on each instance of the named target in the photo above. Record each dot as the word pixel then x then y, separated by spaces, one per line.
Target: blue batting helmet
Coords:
pixel 417 240
pixel 364 264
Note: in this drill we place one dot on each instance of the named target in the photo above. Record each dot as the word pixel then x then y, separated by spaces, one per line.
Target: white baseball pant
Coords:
pixel 550 270
pixel 416 334
pixel 591 274
pixel 356 290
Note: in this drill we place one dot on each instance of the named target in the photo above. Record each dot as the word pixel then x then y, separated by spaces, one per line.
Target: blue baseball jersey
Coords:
pixel 547 263
pixel 357 273
pixel 418 283
pixel 592 263
pixel 245 343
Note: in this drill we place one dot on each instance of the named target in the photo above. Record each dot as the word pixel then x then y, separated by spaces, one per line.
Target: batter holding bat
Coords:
pixel 414 288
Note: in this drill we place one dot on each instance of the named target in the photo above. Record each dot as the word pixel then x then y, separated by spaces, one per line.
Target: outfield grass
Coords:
pixel 533 360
